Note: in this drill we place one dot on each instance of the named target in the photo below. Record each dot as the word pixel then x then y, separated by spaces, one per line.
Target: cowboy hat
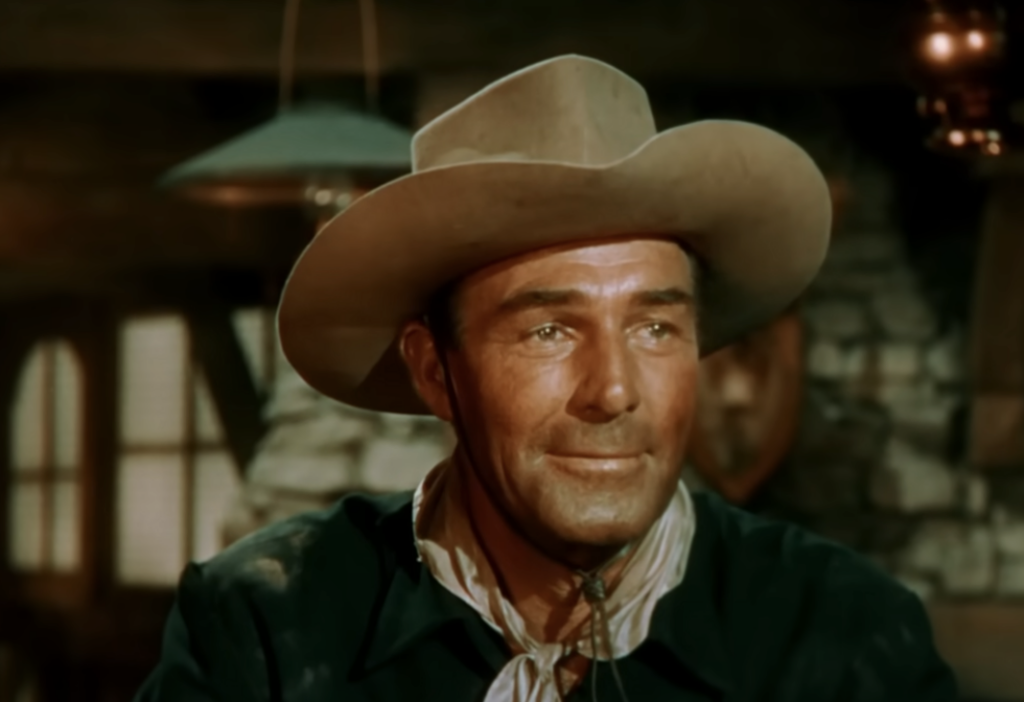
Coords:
pixel 562 151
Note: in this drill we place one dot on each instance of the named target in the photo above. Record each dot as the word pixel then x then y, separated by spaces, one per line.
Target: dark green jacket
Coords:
pixel 335 607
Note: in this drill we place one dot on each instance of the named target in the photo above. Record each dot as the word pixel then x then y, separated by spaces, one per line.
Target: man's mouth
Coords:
pixel 590 462
pixel 597 456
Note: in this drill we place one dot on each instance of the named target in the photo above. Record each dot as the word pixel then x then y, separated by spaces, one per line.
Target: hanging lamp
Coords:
pixel 322 155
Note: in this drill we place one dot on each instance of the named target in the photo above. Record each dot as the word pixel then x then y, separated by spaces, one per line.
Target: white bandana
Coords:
pixel 447 545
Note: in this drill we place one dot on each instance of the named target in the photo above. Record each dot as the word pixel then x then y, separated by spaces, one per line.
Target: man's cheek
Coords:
pixel 530 388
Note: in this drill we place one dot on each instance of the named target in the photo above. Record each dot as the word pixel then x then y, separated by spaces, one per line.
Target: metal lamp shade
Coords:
pixel 306 147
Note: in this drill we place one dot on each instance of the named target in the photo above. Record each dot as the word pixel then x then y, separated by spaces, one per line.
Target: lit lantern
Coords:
pixel 319 156
pixel 322 156
pixel 960 35
pixel 961 55
pixel 939 46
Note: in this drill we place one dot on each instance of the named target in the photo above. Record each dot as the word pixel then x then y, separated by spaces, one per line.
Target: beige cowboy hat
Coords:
pixel 562 151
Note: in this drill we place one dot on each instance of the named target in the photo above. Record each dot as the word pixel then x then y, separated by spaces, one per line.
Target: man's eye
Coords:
pixel 549 332
pixel 659 330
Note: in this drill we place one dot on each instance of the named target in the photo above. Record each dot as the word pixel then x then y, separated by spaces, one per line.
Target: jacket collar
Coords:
pixel 416 606
pixel 687 620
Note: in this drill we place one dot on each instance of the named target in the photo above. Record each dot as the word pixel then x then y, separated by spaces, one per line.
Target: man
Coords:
pixel 546 280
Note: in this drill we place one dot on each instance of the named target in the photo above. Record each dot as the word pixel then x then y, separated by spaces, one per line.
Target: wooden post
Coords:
pixel 996 365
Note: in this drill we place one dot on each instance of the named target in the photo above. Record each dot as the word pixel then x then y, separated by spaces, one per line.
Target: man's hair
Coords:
pixel 442 310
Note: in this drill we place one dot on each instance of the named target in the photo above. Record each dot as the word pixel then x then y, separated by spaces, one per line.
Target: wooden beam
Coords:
pixel 790 41
pixel 69 223
pixel 218 37
pixel 226 371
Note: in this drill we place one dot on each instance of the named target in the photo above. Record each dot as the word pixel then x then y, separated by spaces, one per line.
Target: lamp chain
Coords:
pixel 286 75
pixel 371 54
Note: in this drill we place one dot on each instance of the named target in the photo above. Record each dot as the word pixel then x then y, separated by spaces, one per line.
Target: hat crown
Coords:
pixel 570 109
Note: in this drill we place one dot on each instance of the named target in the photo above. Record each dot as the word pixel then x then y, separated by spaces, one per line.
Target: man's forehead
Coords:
pixel 629 263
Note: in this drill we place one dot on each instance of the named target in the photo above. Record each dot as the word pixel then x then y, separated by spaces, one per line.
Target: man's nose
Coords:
pixel 607 373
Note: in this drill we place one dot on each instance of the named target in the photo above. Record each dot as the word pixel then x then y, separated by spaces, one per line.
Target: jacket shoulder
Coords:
pixel 347 535
pixel 246 623
pixel 766 558
pixel 797 602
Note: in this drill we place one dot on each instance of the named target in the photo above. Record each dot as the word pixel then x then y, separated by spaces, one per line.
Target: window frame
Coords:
pixel 189 449
pixel 47 474
pixel 82 326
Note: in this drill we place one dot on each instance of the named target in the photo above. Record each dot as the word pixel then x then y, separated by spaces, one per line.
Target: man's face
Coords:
pixel 575 376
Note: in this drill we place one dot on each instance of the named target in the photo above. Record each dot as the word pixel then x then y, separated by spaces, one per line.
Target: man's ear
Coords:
pixel 422 357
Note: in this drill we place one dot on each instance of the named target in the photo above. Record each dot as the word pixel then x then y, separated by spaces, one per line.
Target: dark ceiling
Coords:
pixel 811 42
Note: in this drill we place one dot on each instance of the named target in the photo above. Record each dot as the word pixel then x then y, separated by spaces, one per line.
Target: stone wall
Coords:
pixel 876 465
pixel 318 450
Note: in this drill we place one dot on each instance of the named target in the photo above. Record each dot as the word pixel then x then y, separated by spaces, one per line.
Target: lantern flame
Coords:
pixel 940 46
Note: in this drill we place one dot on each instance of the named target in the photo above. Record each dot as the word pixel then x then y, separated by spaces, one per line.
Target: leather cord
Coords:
pixel 595 594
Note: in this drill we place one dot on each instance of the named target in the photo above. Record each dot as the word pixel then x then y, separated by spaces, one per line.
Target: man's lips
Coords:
pixel 611 456
pixel 597 456
pixel 590 462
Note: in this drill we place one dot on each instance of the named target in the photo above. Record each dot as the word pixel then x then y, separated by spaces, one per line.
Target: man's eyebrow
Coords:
pixel 663 297
pixel 544 297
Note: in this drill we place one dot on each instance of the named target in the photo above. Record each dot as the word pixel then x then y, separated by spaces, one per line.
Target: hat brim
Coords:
pixel 751 205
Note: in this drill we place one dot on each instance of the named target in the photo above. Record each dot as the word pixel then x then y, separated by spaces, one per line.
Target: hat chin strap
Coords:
pixel 593 585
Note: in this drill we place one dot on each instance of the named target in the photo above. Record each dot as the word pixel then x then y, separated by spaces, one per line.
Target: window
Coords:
pixel 175 475
pixel 45 468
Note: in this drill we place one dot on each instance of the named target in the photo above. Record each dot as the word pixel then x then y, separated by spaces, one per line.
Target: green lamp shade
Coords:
pixel 278 162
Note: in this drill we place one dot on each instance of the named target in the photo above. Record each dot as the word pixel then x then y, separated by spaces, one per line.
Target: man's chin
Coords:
pixel 598 532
